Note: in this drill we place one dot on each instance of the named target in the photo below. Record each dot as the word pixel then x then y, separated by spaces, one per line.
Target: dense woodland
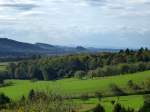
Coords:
pixel 81 65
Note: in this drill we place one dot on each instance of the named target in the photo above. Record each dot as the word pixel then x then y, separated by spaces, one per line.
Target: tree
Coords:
pixel 91 74
pixel 11 69
pixel 147 84
pixel 31 95
pixel 4 99
pixel 99 108
pixel 1 81
pixel 119 108
pixel 79 74
pixel 130 84
pixel 124 68
pixel 116 90
pixel 146 106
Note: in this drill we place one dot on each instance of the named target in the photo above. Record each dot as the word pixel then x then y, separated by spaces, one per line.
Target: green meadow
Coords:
pixel 132 101
pixel 72 86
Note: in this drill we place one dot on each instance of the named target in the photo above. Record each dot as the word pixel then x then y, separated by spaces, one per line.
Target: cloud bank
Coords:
pixel 97 23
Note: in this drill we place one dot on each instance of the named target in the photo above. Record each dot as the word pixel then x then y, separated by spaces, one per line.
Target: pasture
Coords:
pixel 72 87
pixel 132 101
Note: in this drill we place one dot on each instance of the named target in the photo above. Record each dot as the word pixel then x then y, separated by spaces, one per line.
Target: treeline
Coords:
pixel 100 64
pixel 18 58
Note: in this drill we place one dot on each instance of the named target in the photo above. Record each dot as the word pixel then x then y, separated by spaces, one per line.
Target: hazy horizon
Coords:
pixel 90 23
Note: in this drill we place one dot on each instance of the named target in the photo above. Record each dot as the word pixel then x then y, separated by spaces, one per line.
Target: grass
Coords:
pixel 72 86
pixel 133 101
pixel 76 87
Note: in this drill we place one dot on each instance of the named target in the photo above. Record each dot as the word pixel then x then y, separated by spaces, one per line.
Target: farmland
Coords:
pixel 75 87
pixel 72 86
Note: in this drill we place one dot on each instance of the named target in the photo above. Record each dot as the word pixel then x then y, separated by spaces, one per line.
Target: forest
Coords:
pixel 84 65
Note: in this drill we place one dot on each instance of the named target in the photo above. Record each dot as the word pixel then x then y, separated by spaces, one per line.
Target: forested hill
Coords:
pixel 82 65
pixel 12 48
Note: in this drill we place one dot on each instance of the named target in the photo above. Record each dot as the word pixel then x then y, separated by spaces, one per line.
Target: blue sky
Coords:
pixel 91 23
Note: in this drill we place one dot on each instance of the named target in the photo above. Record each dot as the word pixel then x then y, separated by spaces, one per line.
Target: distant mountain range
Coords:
pixel 12 48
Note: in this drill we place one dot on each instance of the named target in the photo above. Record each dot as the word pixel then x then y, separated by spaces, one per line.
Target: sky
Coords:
pixel 90 23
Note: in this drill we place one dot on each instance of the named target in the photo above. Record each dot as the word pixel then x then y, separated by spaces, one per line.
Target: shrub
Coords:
pixel 31 94
pixel 43 102
pixel 116 90
pixel 84 97
pixel 99 108
pixel 146 106
pixel 119 108
pixel 79 74
pixel 147 84
pixel 1 81
pixel 3 100
pixel 98 95
pixel 112 102
pixel 133 86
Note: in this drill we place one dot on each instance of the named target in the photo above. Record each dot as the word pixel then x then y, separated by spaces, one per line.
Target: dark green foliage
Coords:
pixel 116 90
pixel 133 86
pixel 147 84
pixel 95 65
pixel 112 102
pixel 11 69
pixel 42 102
pixel 4 99
pixel 84 97
pixel 146 106
pixel 1 81
pixel 99 108
pixel 31 94
pixel 79 74
pixel 119 108
pixel 98 95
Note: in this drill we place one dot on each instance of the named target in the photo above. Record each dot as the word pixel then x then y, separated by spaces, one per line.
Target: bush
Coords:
pixel 133 86
pixel 147 84
pixel 84 97
pixel 31 94
pixel 112 102
pixel 91 74
pixel 4 99
pixel 1 81
pixel 42 102
pixel 130 83
pixel 116 90
pixel 98 95
pixel 99 108
pixel 119 108
pixel 146 106
pixel 79 74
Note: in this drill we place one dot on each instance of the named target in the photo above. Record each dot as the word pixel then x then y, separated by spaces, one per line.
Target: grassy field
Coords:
pixel 78 87
pixel 133 101
pixel 72 86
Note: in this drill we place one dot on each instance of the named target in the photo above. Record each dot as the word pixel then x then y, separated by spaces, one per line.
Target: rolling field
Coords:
pixel 133 101
pixel 72 86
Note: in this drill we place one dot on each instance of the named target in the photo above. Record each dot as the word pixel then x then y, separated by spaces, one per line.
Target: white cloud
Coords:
pixel 74 19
